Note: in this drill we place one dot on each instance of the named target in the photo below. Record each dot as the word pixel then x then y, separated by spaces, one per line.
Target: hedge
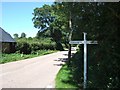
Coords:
pixel 26 48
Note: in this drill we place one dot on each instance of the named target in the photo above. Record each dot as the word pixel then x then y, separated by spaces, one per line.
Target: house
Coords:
pixel 7 43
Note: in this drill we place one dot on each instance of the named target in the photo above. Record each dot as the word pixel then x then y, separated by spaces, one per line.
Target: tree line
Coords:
pixel 16 36
pixel 30 45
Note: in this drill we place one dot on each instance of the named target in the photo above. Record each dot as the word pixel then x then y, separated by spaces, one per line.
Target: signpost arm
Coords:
pixel 85 61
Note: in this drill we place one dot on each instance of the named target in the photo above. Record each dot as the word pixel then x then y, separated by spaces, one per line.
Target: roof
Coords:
pixel 5 37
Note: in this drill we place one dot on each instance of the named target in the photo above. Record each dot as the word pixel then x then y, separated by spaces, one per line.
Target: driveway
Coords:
pixel 38 72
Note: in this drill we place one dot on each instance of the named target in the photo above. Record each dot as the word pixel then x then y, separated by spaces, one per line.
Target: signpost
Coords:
pixel 85 42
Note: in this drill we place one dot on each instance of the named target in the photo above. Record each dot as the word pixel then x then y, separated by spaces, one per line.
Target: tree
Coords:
pixel 42 17
pixel 43 34
pixel 23 35
pixel 101 22
pixel 16 36
pixel 45 19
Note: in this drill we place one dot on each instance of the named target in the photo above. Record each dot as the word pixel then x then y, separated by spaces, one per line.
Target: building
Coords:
pixel 7 43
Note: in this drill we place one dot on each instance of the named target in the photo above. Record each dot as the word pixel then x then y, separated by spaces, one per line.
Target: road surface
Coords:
pixel 38 72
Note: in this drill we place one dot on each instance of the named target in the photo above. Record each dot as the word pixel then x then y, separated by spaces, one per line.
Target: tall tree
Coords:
pixel 45 19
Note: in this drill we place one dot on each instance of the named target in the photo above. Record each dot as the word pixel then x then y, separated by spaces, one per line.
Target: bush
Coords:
pixel 23 47
pixel 27 46
pixel 35 46
pixel 41 46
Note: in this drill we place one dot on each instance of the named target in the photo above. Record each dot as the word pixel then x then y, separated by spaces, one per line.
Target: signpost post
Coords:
pixel 85 42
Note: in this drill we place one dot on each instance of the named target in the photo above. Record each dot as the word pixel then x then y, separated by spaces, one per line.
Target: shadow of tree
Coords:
pixel 60 60
pixel 67 54
pixel 61 64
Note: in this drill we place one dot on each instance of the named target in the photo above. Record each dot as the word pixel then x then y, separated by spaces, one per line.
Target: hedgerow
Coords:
pixel 27 46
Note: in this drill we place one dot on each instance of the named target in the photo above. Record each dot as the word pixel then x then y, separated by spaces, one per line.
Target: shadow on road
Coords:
pixel 58 64
pixel 67 54
pixel 61 61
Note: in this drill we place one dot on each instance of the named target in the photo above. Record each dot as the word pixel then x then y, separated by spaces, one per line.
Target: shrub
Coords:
pixel 27 46
pixel 23 47
pixel 35 46
pixel 42 46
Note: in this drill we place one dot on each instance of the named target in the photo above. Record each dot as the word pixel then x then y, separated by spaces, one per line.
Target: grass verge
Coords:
pixel 17 56
pixel 63 79
pixel 70 77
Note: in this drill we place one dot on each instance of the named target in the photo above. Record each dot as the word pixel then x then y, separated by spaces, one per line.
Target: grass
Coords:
pixel 70 77
pixel 17 56
pixel 63 79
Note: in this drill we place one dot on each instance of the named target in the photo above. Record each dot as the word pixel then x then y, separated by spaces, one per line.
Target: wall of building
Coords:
pixel 8 47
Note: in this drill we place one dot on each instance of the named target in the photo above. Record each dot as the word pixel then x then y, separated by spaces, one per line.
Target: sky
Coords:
pixel 17 17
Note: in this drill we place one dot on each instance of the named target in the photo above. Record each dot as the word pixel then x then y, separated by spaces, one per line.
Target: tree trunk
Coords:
pixel 70 35
pixel 59 46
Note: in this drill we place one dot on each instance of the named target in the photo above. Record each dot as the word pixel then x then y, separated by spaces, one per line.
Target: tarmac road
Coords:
pixel 38 72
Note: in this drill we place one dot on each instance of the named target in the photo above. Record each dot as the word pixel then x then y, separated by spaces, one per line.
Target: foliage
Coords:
pixel 42 17
pixel 29 45
pixel 15 35
pixel 23 35
pixel 46 19
pixel 101 21
pixel 23 47
pixel 41 46
pixel 45 34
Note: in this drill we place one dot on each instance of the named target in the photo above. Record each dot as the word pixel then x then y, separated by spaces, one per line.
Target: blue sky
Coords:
pixel 17 17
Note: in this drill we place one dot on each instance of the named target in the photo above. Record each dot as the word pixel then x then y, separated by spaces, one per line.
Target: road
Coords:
pixel 38 72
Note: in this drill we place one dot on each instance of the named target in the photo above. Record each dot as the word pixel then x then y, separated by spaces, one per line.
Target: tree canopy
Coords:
pixel 15 35
pixel 23 35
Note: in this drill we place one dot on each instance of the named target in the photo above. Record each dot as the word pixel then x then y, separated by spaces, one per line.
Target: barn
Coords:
pixel 7 43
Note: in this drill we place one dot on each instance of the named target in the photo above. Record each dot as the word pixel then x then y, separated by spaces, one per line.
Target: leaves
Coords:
pixel 42 17
pixel 101 21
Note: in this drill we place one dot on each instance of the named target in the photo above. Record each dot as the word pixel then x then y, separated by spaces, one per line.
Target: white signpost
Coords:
pixel 85 42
